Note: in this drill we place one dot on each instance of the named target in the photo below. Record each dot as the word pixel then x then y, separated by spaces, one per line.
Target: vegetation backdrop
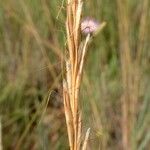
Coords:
pixel 116 78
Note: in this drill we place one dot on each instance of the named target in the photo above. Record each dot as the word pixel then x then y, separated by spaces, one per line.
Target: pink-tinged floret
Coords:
pixel 89 25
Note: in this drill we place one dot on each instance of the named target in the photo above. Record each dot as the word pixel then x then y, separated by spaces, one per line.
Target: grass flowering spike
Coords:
pixel 89 25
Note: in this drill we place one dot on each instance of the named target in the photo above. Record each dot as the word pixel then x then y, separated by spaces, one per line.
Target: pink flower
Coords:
pixel 89 26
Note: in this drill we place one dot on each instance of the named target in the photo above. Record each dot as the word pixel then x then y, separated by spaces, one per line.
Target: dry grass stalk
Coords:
pixel 130 68
pixel 74 68
pixel 86 139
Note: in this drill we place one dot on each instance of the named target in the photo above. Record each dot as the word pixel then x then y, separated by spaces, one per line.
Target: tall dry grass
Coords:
pixel 74 68
pixel 130 67
pixel 31 42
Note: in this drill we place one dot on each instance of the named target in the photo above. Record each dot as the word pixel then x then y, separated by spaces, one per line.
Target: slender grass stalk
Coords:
pixel 74 69
pixel 126 64
pixel 131 67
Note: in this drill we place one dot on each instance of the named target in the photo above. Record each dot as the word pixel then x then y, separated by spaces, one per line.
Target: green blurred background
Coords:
pixel 32 43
